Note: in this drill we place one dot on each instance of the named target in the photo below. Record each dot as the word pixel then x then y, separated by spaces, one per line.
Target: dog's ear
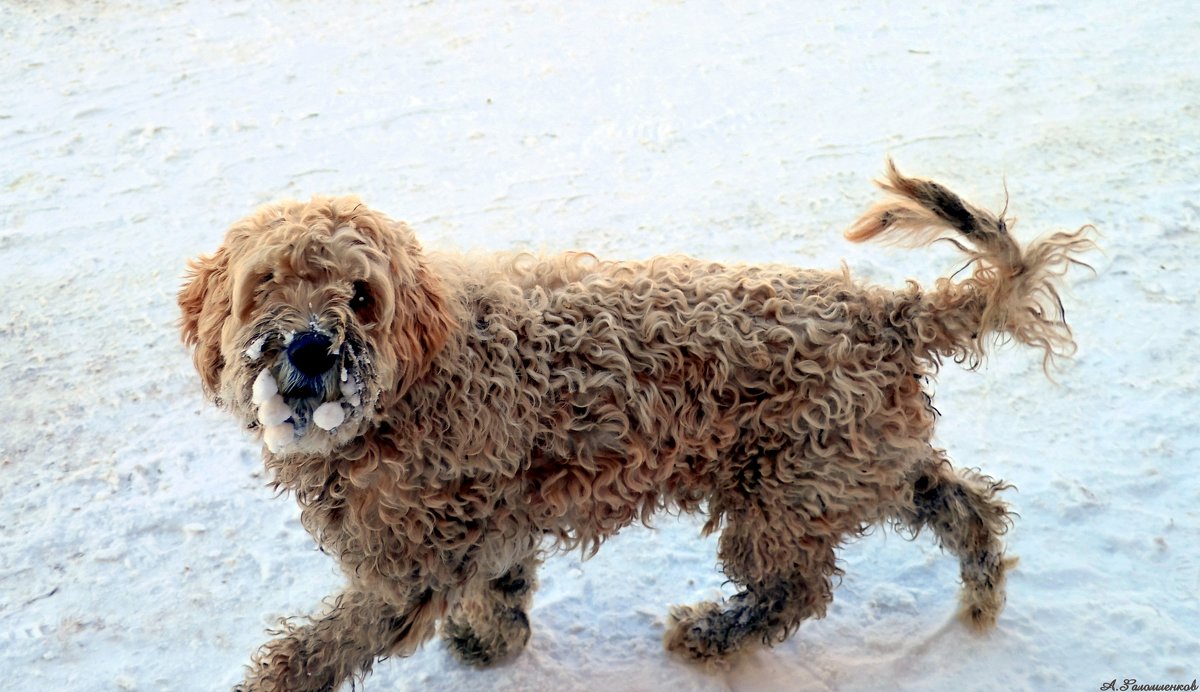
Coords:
pixel 204 304
pixel 422 319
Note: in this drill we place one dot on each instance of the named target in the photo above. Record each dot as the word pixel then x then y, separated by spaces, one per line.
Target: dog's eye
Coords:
pixel 362 300
pixel 262 286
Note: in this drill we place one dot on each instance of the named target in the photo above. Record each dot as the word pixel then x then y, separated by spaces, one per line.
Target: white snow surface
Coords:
pixel 140 545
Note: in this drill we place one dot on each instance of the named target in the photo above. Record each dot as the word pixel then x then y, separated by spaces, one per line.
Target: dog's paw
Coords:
pixel 505 635
pixel 695 632
pixel 979 611
pixel 465 645
pixel 981 600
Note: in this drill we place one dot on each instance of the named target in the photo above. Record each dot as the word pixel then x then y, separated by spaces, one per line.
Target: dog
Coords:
pixel 445 421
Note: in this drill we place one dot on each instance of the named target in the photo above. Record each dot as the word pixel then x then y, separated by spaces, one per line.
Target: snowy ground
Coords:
pixel 139 548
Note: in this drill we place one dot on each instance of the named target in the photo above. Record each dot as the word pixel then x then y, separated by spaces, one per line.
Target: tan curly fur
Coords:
pixel 492 408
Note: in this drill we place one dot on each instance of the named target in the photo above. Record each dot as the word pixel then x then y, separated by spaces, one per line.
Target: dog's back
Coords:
pixel 672 381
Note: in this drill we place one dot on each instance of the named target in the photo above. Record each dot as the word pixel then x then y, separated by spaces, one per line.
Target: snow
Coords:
pixel 329 415
pixel 277 436
pixel 274 411
pixel 350 390
pixel 254 350
pixel 264 388
pixel 140 547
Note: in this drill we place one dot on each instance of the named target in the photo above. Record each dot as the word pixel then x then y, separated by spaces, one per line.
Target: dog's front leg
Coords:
pixel 490 621
pixel 357 628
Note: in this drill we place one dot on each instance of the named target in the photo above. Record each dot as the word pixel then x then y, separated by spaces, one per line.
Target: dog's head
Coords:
pixel 310 319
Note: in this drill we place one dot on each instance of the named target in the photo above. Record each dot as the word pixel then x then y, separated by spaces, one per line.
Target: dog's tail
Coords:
pixel 1012 292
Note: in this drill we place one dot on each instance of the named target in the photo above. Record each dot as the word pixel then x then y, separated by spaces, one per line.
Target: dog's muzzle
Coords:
pixel 294 394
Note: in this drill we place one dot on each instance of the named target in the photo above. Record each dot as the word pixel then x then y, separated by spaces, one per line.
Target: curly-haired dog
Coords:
pixel 439 417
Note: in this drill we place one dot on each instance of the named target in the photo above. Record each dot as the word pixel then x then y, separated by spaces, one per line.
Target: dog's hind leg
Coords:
pixel 490 621
pixel 358 628
pixel 968 519
pixel 786 577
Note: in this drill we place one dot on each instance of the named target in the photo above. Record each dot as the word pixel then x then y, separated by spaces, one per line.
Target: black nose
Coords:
pixel 309 353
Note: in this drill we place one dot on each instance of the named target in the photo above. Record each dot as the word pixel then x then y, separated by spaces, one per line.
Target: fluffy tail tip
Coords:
pixel 915 212
pixel 1018 286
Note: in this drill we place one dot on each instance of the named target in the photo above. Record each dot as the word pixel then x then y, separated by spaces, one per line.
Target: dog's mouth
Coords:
pixel 308 390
